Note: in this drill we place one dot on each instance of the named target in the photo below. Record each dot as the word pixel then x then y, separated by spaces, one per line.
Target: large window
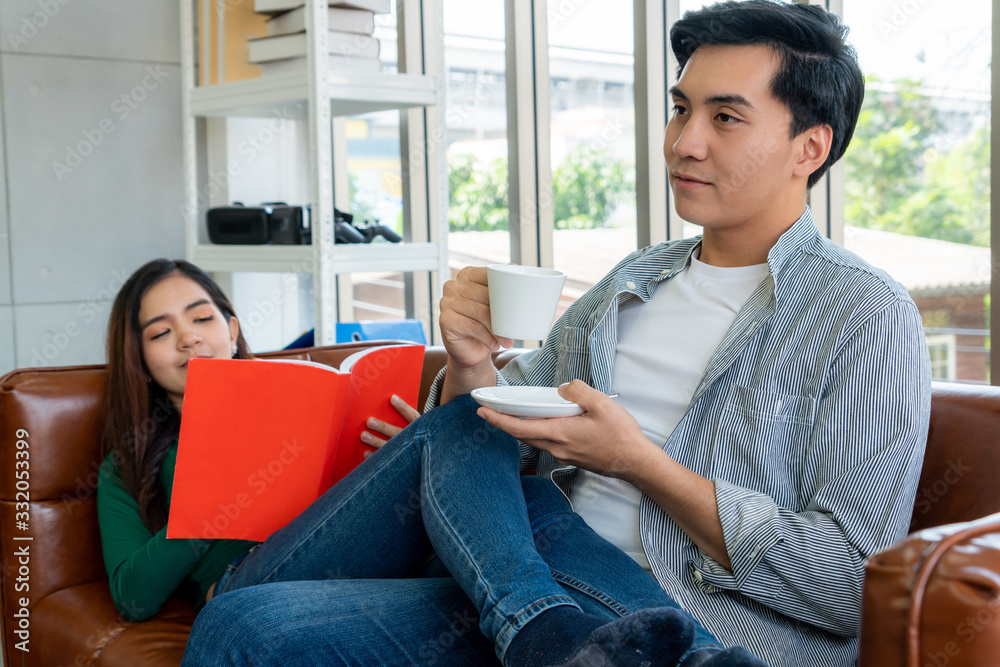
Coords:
pixel 374 189
pixel 917 193
pixel 476 148
pixel 592 102
pixel 476 119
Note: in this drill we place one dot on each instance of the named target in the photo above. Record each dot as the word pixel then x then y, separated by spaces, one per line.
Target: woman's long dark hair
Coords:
pixel 140 421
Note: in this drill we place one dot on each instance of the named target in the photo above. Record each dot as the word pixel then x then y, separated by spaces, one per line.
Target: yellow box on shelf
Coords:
pixel 229 23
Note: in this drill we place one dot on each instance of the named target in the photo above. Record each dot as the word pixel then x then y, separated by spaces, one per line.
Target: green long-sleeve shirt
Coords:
pixel 145 569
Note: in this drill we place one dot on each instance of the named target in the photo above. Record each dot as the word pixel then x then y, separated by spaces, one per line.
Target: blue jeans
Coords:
pixel 342 584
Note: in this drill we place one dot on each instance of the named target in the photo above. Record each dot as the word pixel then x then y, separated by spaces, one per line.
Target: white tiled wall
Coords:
pixel 60 334
pixel 5 293
pixel 7 333
pixel 106 29
pixel 97 155
pixel 91 136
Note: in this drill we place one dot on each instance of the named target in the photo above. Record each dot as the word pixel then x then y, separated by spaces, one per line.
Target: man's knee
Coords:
pixel 462 409
pixel 542 497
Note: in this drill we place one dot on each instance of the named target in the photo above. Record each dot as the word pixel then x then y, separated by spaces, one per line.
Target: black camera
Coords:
pixel 346 230
pixel 271 223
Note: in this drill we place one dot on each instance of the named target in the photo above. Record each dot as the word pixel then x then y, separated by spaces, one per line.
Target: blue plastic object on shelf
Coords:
pixel 410 330
pixel 348 332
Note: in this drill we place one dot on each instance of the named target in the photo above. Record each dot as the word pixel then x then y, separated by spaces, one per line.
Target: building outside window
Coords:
pixel 917 174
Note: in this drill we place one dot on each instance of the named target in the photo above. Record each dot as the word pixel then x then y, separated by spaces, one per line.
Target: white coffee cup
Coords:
pixel 523 300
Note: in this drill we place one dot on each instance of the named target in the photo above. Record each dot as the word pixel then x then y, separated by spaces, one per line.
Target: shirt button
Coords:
pixel 664 272
pixel 697 576
pixel 630 285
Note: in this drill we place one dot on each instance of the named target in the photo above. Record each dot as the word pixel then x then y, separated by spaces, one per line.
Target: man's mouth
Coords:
pixel 690 179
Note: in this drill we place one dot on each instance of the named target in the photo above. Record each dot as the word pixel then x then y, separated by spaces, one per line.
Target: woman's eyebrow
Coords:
pixel 154 320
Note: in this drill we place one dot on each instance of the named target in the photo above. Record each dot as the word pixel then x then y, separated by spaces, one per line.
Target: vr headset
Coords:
pixel 271 223
pixel 277 223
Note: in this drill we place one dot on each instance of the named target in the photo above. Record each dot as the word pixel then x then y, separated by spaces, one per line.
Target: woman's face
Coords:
pixel 179 321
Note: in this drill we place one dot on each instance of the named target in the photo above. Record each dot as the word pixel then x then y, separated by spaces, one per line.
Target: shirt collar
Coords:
pixel 678 255
pixel 792 241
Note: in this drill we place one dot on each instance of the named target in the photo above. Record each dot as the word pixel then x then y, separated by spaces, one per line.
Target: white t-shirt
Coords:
pixel 656 371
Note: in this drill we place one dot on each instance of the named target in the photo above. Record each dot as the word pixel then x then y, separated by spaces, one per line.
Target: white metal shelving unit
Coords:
pixel 326 96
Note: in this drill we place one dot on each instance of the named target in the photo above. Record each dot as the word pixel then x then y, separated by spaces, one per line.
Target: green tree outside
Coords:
pixel 897 181
pixel 586 187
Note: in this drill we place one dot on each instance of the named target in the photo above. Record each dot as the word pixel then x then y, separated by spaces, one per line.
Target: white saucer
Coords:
pixel 533 402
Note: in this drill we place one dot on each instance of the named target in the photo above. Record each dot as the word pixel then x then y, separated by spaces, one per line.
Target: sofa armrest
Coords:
pixel 934 598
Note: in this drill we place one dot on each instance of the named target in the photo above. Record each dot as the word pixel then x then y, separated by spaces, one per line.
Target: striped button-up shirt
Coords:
pixel 811 419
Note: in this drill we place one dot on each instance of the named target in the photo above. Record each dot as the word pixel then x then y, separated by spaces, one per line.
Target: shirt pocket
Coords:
pixel 574 355
pixel 762 441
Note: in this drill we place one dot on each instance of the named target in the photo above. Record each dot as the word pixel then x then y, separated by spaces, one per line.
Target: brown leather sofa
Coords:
pixel 71 619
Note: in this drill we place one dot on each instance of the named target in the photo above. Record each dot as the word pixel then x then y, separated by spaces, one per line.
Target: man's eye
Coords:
pixel 679 110
pixel 727 119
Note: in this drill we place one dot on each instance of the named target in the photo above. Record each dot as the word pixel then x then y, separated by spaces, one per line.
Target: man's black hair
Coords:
pixel 818 78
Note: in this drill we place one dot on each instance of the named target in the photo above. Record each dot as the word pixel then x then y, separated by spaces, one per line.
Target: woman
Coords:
pixel 166 313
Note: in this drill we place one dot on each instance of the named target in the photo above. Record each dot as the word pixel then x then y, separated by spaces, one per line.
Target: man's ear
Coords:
pixel 815 149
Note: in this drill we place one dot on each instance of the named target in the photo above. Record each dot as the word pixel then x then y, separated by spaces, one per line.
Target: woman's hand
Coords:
pixel 388 430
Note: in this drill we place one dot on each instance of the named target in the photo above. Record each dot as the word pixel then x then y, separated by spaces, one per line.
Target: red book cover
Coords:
pixel 260 440
pixel 376 374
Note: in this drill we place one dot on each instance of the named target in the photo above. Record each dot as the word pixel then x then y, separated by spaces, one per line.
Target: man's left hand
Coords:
pixel 605 439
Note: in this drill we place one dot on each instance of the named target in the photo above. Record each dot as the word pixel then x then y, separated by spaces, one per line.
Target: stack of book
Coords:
pixel 350 42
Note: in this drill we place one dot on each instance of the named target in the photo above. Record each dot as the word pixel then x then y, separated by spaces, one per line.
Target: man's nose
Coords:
pixel 690 140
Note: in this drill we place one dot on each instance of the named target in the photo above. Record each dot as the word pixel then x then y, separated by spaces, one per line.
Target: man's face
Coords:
pixel 729 155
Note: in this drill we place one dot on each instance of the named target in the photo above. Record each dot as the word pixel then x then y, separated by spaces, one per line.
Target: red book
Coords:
pixel 261 439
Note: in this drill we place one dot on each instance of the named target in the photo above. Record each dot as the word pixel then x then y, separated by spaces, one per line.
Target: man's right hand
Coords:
pixel 465 331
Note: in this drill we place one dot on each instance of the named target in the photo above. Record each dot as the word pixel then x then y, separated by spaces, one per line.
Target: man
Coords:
pixel 768 437
pixel 780 384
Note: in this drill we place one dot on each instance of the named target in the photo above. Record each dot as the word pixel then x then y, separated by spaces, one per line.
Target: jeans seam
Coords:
pixel 586 589
pixel 430 496
pixel 230 570
pixel 694 649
